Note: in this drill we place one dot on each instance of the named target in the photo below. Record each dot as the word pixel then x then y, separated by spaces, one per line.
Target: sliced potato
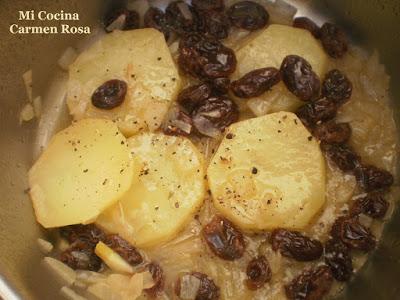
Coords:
pixel 167 193
pixel 268 49
pixel 85 168
pixel 268 173
pixel 112 259
pixel 142 59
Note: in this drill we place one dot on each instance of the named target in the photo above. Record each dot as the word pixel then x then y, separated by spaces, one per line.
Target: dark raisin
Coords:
pixel 336 87
pixel 87 233
pixel 352 233
pixel 207 5
pixel 155 18
pixel 317 111
pixel 124 249
pixel 157 274
pixel 248 15
pixel 343 156
pixel 258 273
pixel 131 19
pixel 338 258
pixel 295 245
pixel 333 40
pixel 182 18
pixel 177 122
pixel 221 85
pixel 307 24
pixel 332 132
pixel 299 78
pixel 310 285
pixel 214 115
pixel 256 82
pixel 373 204
pixel 224 239
pixel 193 96
pixel 206 288
pixel 216 24
pixel 372 178
pixel 205 58
pixel 81 256
pixel 110 94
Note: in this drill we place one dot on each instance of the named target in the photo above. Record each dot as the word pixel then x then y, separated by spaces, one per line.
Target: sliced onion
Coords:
pixel 259 107
pixel 27 113
pixel 184 8
pixel 37 106
pixel 89 277
pixel 189 287
pixel 70 294
pixel 148 281
pixel 282 13
pixel 45 246
pixel 204 126
pixel 67 58
pixel 27 77
pixel 63 273
pixel 117 24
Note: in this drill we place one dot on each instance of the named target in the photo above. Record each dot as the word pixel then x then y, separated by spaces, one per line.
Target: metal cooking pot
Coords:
pixel 372 23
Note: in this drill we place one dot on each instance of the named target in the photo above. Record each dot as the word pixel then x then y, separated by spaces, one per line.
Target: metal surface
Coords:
pixel 374 23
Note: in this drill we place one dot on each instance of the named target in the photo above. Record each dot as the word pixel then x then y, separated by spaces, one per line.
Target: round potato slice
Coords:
pixel 85 168
pixel 141 58
pixel 268 172
pixel 166 194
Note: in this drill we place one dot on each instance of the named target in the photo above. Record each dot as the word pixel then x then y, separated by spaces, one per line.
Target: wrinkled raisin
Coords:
pixel 131 19
pixel 87 233
pixel 157 274
pixel 352 233
pixel 214 115
pixel 256 82
pixel 295 245
pixel 342 155
pixel 177 122
pixel 373 204
pixel 224 239
pixel 216 24
pixel 299 78
pixel 205 58
pixel 80 256
pixel 307 24
pixel 317 111
pixel 372 178
pixel 183 18
pixel 310 285
pixel 258 273
pixel 332 132
pixel 338 258
pixel 124 249
pixel 248 15
pixel 333 40
pixel 336 87
pixel 187 284
pixel 155 18
pixel 193 96
pixel 110 94
pixel 207 5
pixel 220 85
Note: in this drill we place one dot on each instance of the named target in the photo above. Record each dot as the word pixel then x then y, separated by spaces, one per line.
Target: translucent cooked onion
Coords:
pixel 61 271
pixel 27 113
pixel 204 126
pixel 27 77
pixel 45 246
pixel 184 8
pixel 189 287
pixel 117 24
pixel 70 294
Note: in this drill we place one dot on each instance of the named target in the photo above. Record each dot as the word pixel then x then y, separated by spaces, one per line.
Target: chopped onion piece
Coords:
pixel 37 106
pixel 27 77
pixel 67 58
pixel 184 8
pixel 60 270
pixel 70 294
pixel 189 287
pixel 103 291
pixel 283 13
pixel 141 7
pixel 117 24
pixel 27 113
pixel 204 126
pixel 148 281
pixel 45 246
pixel 89 277
pixel 259 107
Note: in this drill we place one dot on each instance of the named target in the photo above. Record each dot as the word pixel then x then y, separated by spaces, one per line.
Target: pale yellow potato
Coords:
pixel 268 49
pixel 165 196
pixel 112 259
pixel 142 59
pixel 270 174
pixel 86 168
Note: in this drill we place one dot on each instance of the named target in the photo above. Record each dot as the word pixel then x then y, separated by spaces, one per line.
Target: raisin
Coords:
pixel 216 24
pixel 317 111
pixel 208 5
pixel 295 245
pixel 157 274
pixel 258 273
pixel 332 132
pixel 372 178
pixel 312 284
pixel 337 87
pixel 352 233
pixel 87 233
pixel 299 78
pixel 183 18
pixel 178 122
pixel 338 258
pixel 206 288
pixel 256 82
pixel 131 19
pixel 248 15
pixel 124 249
pixel 110 94
pixel 333 40
pixel 80 256
pixel 343 156
pixel 373 204
pixel 307 24
pixel 193 96
pixel 155 18
pixel 224 239
pixel 205 58
pixel 220 85
pixel 214 115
